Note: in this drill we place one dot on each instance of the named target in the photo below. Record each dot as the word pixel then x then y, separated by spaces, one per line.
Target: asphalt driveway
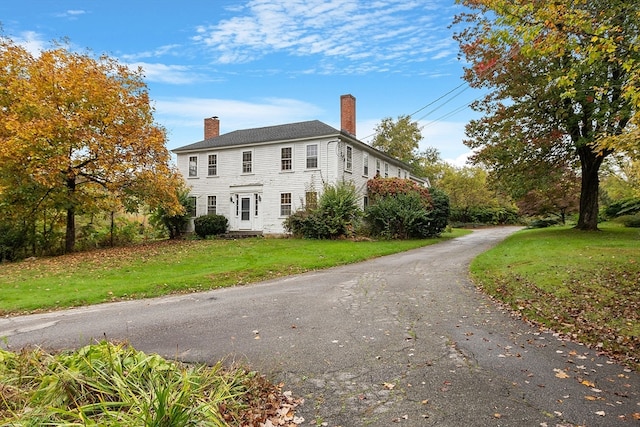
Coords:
pixel 404 339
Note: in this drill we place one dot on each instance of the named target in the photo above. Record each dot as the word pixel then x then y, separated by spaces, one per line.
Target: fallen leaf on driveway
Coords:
pixel 560 373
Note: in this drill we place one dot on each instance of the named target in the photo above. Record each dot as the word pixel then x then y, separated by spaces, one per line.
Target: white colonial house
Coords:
pixel 257 177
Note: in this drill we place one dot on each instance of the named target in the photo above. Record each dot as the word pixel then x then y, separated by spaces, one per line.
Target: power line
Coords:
pixel 438 99
pixel 466 86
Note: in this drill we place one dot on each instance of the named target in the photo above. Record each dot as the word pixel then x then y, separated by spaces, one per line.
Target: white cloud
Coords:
pixel 344 30
pixel 163 73
pixel 31 41
pixel 187 114
pixel 71 14
pixel 447 138
pixel 170 49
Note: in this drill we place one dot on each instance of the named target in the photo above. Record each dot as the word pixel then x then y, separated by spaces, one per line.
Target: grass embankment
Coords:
pixel 582 284
pixel 168 267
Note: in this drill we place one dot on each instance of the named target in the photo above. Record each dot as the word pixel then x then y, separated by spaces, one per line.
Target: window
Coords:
pixel 213 165
pixel 312 156
pixel 399 173
pixel 285 204
pixel 286 159
pixel 386 170
pixel 245 210
pixel 377 167
pixel 365 164
pixel 193 166
pixel 349 159
pixel 246 162
pixel 211 205
pixel 311 199
pixel 257 199
pixel 191 207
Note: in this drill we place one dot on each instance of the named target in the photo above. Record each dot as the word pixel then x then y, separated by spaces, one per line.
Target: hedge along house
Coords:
pixel 257 177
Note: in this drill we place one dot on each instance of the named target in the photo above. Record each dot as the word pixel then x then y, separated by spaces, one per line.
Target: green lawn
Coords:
pixel 583 284
pixel 162 268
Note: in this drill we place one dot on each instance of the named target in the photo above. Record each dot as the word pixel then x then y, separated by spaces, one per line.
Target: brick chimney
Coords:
pixel 348 114
pixel 211 127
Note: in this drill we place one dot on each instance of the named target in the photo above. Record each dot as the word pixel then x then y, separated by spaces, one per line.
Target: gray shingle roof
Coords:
pixel 313 128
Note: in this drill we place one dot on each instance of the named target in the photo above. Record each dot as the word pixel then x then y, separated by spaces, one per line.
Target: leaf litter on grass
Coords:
pixel 600 309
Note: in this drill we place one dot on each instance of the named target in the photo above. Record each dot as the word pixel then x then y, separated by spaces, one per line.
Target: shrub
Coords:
pixel 484 215
pixel 174 224
pixel 401 209
pixel 629 220
pixel 402 216
pixel 623 207
pixel 210 225
pixel 336 216
pixel 441 210
pixel 542 223
pixel 382 187
pixel 12 241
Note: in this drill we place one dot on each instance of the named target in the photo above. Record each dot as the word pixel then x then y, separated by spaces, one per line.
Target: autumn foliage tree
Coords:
pixel 77 136
pixel 562 80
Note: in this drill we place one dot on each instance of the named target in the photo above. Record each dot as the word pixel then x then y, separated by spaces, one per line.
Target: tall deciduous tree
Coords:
pixel 563 80
pixel 77 134
pixel 401 139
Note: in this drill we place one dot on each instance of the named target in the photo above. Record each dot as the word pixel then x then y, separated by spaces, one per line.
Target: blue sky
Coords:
pixel 267 62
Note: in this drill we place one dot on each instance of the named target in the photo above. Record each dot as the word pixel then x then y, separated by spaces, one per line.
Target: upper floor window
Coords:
pixel 247 162
pixel 312 156
pixel 286 158
pixel 285 204
pixel 193 165
pixel 211 205
pixel 377 167
pixel 365 164
pixel 349 159
pixel 212 165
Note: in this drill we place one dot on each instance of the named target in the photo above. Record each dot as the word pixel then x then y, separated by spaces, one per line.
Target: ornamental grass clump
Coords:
pixel 113 384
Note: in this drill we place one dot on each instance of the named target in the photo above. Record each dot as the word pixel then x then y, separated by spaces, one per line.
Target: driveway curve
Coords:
pixel 404 339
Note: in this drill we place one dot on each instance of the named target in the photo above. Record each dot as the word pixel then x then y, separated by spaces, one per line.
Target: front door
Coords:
pixel 245 213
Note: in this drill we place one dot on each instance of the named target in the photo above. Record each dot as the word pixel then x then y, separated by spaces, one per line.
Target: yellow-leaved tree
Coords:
pixel 77 135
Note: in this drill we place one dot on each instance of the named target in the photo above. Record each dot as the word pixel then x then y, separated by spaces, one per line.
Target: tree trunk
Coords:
pixel 70 237
pixel 111 229
pixel 590 162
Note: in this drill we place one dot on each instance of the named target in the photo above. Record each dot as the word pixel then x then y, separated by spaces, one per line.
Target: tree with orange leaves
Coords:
pixel 77 135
